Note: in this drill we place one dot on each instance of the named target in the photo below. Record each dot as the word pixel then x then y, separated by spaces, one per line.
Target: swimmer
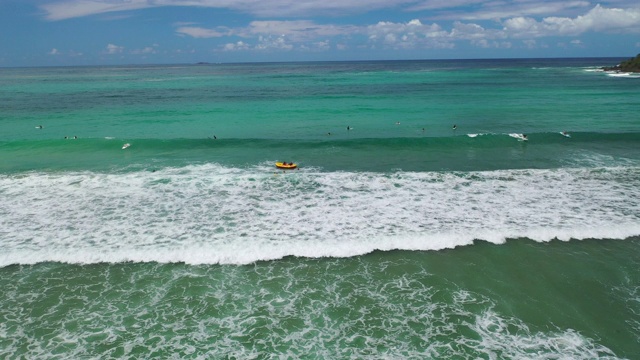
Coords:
pixel 455 126
pixel 348 128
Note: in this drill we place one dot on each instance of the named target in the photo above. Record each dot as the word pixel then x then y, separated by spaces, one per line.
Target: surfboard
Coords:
pixel 125 146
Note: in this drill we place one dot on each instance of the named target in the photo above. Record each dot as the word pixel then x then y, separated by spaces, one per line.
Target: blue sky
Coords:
pixel 105 32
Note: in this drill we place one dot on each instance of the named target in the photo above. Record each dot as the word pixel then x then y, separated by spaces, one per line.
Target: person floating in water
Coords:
pixel 348 128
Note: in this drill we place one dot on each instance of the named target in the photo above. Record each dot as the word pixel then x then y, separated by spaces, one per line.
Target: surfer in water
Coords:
pixel 455 126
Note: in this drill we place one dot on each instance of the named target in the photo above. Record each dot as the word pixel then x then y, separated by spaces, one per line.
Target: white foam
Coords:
pixel 512 339
pixel 215 214
pixel 624 75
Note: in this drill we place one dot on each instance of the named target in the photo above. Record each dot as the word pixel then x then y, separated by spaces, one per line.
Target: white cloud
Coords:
pixel 491 44
pixel 506 9
pixel 146 50
pixel 236 46
pixel 460 10
pixel 597 19
pixel 414 34
pixel 410 35
pixel 521 21
pixel 199 32
pixel 469 31
pixel 114 49
pixel 67 9
pixel 70 53
pixel 296 30
pixel 273 43
pixel 264 43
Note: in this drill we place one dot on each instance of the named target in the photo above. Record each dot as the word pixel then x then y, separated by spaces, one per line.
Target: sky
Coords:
pixel 114 32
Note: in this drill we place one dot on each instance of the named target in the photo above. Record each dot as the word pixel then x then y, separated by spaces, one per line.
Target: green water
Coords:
pixel 398 237
pixel 517 300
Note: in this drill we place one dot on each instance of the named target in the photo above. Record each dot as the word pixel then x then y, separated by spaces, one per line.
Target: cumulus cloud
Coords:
pixel 509 20
pixel 114 49
pixel 264 43
pixel 597 19
pixel 283 35
pixel 54 51
pixel 414 34
pixel 236 46
pixel 273 42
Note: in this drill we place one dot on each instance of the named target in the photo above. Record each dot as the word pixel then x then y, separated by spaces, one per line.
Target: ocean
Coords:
pixel 449 209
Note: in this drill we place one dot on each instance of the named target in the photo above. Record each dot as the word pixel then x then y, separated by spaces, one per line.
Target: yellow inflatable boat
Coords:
pixel 285 165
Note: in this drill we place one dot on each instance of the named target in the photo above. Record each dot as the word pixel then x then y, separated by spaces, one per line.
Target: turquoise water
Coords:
pixel 398 236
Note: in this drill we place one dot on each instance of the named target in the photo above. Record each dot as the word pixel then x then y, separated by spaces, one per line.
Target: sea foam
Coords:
pixel 215 214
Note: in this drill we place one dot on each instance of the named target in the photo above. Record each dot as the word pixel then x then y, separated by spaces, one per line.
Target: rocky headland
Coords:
pixel 631 65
